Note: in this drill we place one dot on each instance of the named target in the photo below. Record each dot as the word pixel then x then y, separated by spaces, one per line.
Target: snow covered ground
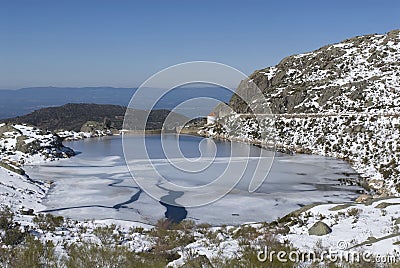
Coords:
pixel 368 231
pixel 368 141
pixel 372 226
pixel 21 193
pixel 19 145
pixel 69 135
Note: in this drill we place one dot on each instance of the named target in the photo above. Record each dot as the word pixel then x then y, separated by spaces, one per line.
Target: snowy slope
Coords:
pixel 22 144
pixel 19 192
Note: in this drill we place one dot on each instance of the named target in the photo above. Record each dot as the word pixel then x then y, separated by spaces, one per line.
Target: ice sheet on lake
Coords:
pixel 102 188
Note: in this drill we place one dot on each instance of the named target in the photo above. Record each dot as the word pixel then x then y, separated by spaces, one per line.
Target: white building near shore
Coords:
pixel 211 118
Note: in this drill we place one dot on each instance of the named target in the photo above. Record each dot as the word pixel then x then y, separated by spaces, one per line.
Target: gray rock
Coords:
pixel 29 148
pixel 12 168
pixel 319 228
pixel 363 198
pixel 8 128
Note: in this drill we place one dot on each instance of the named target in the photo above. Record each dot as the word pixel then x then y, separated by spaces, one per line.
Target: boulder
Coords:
pixel 12 168
pixel 8 128
pixel 29 148
pixel 363 198
pixel 319 228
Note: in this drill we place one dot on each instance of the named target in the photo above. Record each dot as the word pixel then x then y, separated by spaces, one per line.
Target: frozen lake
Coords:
pixel 96 184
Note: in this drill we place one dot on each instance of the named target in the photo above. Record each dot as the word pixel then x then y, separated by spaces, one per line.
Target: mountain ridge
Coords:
pixel 341 73
pixel 73 116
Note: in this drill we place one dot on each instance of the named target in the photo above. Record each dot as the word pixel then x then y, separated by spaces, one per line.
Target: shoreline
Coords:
pixel 341 174
pixel 270 147
pixel 76 136
pixel 367 181
pixel 362 182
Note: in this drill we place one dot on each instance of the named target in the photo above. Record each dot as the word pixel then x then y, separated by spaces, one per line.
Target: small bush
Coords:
pixel 35 254
pixel 88 255
pixel 170 236
pixel 48 222
pixel 247 257
pixel 107 234
pixel 6 218
pixel 12 234
pixel 353 212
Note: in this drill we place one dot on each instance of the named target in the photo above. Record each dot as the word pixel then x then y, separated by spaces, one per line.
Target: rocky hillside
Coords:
pixel 341 100
pixel 360 74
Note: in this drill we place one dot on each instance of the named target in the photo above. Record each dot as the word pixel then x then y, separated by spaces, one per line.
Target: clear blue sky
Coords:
pixel 121 43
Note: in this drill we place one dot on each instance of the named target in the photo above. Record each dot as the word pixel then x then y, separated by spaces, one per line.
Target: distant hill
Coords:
pixel 26 100
pixel 73 115
pixel 22 101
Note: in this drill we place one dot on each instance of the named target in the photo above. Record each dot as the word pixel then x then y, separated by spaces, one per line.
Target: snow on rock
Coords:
pixel 22 144
pixel 372 226
pixel 68 135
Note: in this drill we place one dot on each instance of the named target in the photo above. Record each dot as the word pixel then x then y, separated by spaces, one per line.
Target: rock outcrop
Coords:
pixel 20 144
pixel 360 74
pixel 319 229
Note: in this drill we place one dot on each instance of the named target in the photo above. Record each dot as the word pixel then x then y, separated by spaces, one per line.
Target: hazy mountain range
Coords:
pixel 23 101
